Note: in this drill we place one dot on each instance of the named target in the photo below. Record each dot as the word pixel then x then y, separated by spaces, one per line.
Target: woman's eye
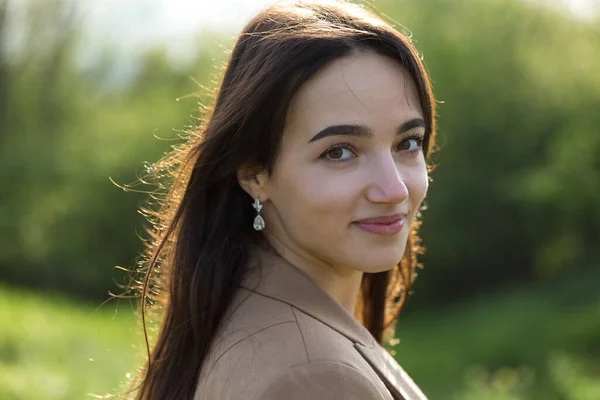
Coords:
pixel 339 154
pixel 411 145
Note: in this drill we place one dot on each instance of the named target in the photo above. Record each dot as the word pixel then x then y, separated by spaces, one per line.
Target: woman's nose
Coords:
pixel 386 182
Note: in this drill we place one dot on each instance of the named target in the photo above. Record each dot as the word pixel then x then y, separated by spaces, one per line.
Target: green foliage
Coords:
pixel 577 379
pixel 51 348
pixel 513 334
pixel 570 375
pixel 64 224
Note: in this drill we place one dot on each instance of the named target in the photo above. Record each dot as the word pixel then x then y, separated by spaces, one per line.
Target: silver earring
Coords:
pixel 259 222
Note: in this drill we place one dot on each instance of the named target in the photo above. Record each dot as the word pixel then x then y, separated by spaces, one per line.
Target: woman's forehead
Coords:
pixel 355 89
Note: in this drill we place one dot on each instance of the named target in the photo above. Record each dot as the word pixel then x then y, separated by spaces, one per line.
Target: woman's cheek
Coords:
pixel 335 192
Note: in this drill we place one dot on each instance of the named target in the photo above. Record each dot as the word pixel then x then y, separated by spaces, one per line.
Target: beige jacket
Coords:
pixel 288 339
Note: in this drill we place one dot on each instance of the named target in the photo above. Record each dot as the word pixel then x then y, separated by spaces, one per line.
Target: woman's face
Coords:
pixel 351 173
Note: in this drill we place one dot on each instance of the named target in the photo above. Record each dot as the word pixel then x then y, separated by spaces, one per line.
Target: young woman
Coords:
pixel 287 244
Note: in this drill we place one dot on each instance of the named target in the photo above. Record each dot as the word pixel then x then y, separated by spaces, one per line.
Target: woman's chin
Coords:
pixel 378 261
pixel 373 269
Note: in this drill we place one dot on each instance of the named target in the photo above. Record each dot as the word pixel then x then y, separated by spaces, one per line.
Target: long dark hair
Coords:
pixel 202 234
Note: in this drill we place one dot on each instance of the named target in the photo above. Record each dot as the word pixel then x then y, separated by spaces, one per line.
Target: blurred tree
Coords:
pixel 64 224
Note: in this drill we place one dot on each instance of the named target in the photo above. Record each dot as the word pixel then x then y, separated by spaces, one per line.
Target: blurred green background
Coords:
pixel 508 304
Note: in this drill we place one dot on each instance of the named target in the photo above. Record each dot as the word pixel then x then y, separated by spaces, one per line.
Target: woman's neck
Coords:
pixel 341 284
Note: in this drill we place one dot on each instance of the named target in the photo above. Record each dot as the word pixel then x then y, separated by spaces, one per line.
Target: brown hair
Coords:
pixel 202 234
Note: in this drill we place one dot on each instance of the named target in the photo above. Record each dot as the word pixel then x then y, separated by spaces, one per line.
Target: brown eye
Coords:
pixel 411 144
pixel 339 152
pixel 405 145
pixel 336 154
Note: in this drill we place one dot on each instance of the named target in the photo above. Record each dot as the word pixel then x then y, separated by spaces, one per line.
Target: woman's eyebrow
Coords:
pixel 410 124
pixel 335 130
pixel 363 131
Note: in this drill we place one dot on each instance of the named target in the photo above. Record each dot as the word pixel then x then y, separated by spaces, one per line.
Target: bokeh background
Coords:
pixel 508 303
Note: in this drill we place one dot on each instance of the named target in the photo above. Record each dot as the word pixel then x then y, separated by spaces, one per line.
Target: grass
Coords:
pixel 51 348
pixel 525 332
pixel 526 344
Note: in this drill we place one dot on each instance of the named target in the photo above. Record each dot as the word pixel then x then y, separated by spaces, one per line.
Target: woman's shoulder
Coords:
pixel 266 342
pixel 275 331
pixel 259 336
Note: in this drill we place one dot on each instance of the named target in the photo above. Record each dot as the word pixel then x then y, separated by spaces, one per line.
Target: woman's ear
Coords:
pixel 254 181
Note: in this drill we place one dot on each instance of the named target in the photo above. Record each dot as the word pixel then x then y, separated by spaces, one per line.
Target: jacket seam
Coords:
pixel 301 334
pixel 241 340
pixel 366 343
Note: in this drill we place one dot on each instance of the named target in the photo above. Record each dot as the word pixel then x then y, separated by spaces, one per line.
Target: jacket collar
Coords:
pixel 272 276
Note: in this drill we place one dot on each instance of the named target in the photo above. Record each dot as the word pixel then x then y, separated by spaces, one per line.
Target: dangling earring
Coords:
pixel 259 222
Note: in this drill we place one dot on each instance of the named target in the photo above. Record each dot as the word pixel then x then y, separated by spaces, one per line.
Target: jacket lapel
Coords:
pixel 274 277
pixel 395 378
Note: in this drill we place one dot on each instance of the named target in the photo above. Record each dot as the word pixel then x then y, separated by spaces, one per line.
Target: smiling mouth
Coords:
pixel 389 225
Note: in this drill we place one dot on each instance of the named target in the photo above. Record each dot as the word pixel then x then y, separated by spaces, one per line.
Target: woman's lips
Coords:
pixel 382 225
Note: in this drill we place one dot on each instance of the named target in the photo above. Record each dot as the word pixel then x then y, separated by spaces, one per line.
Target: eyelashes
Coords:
pixel 416 137
pixel 336 152
pixel 338 148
